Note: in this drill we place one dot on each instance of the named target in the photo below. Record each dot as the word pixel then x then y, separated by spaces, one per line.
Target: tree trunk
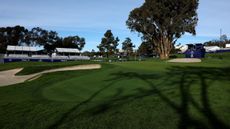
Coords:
pixel 164 56
pixel 164 47
pixel 107 55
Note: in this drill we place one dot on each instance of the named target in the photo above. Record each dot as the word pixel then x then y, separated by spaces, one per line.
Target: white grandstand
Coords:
pixel 24 53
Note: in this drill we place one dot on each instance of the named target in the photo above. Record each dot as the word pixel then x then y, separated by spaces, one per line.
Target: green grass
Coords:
pixel 35 67
pixel 128 95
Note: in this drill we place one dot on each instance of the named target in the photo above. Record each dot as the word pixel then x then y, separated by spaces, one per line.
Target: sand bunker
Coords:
pixel 8 77
pixel 185 60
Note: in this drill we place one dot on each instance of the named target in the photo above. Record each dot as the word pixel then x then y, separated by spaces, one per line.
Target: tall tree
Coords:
pixel 146 49
pixel 3 40
pixel 221 43
pixel 74 42
pixel 42 37
pixel 51 41
pixel 162 22
pixel 38 36
pixel 223 38
pixel 11 36
pixel 128 46
pixel 108 43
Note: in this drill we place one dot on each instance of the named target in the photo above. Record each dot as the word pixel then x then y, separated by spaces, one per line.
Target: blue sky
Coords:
pixel 91 18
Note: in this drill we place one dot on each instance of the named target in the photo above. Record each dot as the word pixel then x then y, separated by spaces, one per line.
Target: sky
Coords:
pixel 91 18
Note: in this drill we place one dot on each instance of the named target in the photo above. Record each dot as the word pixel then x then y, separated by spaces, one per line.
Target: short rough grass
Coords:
pixel 34 67
pixel 127 95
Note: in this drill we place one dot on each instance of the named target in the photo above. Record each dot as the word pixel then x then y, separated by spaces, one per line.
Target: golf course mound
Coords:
pixel 185 60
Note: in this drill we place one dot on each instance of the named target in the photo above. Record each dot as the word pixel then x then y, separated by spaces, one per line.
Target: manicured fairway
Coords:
pixel 126 95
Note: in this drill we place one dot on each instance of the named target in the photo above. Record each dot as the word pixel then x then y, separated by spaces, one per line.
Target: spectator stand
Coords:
pixel 69 54
pixel 19 53
pixel 24 53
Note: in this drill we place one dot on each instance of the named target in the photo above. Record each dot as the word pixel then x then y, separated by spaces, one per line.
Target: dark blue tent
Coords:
pixel 195 51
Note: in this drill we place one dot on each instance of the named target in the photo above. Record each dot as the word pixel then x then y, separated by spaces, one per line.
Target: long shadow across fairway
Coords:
pixel 204 76
pixel 66 115
pixel 182 77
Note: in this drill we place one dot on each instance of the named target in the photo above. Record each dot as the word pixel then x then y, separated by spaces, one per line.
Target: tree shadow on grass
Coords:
pixel 66 115
pixel 201 75
pixel 183 77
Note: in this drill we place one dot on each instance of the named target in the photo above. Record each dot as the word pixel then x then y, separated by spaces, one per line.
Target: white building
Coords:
pixel 211 48
pixel 227 45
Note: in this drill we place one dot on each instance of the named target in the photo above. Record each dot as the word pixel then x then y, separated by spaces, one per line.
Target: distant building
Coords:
pixel 227 45
pixel 211 48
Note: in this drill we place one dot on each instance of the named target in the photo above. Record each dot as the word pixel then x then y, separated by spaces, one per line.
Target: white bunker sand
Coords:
pixel 8 77
pixel 185 60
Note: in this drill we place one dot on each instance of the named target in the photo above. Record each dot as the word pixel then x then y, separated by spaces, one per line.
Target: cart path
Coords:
pixel 8 77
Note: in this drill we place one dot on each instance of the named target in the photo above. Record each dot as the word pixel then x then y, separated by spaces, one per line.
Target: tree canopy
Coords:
pixel 11 36
pixel 220 43
pixel 146 49
pixel 223 38
pixel 128 46
pixel 162 22
pixel 74 42
pixel 19 35
pixel 108 43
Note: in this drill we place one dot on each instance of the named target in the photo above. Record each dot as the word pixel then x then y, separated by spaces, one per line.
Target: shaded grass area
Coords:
pixel 188 101
pixel 128 95
pixel 225 55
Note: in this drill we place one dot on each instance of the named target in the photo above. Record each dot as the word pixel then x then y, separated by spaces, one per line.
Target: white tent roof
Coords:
pixel 21 48
pixel 182 48
pixel 227 46
pixel 211 48
pixel 67 50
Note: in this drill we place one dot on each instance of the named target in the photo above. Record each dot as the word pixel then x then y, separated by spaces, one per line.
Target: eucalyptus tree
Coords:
pixel 108 44
pixel 162 22
pixel 128 46
pixel 74 42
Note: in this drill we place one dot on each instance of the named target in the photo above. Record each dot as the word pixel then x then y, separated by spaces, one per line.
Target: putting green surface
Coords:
pixel 126 95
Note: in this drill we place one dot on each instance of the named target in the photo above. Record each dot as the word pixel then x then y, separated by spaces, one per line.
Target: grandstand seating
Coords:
pixel 23 56
pixel 60 57
pixel 56 57
pixel 79 58
pixel 41 56
pixel 17 56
